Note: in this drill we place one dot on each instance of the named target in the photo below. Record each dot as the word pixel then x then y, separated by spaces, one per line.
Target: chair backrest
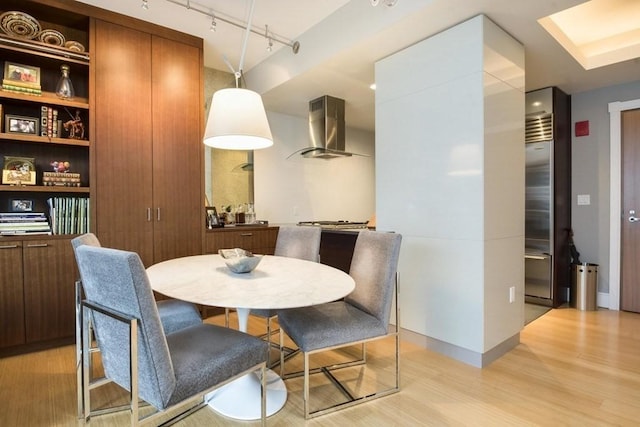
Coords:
pixel 89 239
pixel 118 280
pixel 85 239
pixel 374 267
pixel 299 242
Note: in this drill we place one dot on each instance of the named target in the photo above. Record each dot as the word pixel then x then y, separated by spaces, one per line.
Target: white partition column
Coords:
pixel 450 178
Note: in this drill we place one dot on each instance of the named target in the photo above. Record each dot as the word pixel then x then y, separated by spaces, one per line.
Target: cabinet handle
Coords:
pixel 148 214
pixel 8 246
pixel 157 214
pixel 246 234
pixel 37 245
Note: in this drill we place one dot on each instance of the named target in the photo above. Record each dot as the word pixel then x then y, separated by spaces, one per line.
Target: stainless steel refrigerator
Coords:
pixel 538 221
pixel 547 197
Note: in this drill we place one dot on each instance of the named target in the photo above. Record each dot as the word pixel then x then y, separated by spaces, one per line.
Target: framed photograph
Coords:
pixel 20 124
pixel 21 75
pixel 212 217
pixel 19 171
pixel 21 205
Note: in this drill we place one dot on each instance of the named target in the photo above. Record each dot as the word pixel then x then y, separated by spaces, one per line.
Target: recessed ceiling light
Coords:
pixel 598 32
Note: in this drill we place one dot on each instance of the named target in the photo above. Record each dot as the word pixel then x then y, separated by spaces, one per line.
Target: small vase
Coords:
pixel 64 88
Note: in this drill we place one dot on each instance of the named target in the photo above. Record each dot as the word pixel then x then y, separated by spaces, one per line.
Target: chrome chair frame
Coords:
pixel 86 307
pixel 327 370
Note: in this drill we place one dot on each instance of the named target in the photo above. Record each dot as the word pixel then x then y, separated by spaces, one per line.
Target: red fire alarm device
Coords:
pixel 582 128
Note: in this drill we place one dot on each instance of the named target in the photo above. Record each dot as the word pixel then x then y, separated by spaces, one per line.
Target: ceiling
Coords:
pixel 340 41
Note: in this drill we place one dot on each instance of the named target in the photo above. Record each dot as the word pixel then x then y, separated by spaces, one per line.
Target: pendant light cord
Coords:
pixel 246 38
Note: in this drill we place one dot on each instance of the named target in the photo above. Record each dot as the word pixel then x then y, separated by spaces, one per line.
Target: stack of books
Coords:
pixel 69 215
pixel 23 223
pixel 12 85
pixel 63 179
pixel 49 124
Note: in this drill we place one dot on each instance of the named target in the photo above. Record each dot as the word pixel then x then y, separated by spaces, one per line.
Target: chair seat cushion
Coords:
pixel 176 315
pixel 205 355
pixel 264 312
pixel 328 325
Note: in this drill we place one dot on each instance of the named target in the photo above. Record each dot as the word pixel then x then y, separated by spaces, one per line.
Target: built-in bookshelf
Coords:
pixel 45 130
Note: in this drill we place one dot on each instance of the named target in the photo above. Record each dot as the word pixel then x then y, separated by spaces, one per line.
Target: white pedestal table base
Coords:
pixel 240 399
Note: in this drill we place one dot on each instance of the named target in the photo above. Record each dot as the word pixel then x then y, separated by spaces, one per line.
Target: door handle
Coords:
pixel 632 216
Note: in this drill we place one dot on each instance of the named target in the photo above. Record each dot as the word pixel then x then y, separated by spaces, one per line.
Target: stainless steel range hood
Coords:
pixel 326 129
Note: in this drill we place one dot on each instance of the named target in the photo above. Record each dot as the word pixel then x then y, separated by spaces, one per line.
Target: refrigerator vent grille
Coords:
pixel 539 128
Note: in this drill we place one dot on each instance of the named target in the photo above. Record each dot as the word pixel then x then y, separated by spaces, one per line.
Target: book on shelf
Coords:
pixel 22 215
pixel 69 215
pixel 19 83
pixel 24 233
pixel 49 124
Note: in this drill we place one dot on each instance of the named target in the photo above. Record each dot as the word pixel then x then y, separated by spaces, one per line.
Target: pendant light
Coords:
pixel 237 118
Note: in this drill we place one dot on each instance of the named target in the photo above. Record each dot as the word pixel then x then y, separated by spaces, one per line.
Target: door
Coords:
pixel 49 276
pixel 123 150
pixel 630 225
pixel 11 295
pixel 178 151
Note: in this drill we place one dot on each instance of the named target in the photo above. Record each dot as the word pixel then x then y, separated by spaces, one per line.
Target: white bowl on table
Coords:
pixel 239 260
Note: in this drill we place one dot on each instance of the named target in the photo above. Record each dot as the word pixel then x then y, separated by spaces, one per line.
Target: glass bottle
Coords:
pixel 250 216
pixel 64 88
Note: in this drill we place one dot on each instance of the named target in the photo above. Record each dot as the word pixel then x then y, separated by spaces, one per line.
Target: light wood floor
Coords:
pixel 571 369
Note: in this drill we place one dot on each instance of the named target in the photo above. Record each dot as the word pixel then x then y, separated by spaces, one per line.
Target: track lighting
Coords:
pixel 269 41
pixel 271 38
pixel 145 4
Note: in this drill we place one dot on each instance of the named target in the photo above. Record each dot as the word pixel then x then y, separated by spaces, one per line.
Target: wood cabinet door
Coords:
pixel 50 273
pixel 11 297
pixel 123 144
pixel 178 152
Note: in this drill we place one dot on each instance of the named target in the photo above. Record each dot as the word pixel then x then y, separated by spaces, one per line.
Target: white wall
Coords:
pixel 300 189
pixel 450 178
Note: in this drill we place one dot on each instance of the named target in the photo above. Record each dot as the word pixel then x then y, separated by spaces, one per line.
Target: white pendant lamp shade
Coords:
pixel 237 121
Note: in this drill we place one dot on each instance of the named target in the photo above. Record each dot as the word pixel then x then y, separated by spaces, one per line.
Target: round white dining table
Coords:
pixel 276 283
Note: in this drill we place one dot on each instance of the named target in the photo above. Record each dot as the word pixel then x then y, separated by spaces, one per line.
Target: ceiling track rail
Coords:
pixel 294 45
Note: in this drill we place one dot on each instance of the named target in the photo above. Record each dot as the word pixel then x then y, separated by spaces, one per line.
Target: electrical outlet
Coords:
pixel 512 294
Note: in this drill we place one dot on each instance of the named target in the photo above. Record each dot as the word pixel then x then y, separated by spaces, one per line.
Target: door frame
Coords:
pixel 615 195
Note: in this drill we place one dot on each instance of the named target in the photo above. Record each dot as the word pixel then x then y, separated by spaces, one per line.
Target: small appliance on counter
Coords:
pixel 341 225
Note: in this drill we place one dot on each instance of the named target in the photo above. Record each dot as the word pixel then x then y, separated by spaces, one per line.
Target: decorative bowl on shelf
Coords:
pixel 239 260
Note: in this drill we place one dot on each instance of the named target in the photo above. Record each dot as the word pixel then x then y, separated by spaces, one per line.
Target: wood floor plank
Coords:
pixel 571 368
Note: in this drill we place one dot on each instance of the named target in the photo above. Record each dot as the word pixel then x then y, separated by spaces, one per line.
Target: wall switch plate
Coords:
pixel 584 199
pixel 512 294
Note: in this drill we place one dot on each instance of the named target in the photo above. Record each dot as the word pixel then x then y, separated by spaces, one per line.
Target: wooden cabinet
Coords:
pixel 123 152
pixel 11 295
pixel 259 240
pixel 139 91
pixel 149 153
pixel 49 275
pixel 37 291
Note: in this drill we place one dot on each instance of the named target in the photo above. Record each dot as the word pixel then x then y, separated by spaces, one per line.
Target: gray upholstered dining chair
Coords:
pixel 302 242
pixel 363 316
pixel 174 315
pixel 163 370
